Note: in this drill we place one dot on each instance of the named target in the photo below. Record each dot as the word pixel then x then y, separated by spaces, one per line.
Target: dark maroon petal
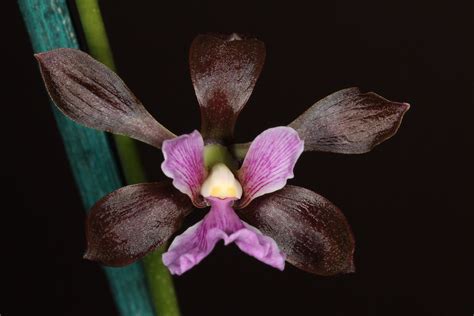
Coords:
pixel 312 232
pixel 130 222
pixel 93 95
pixel 349 122
pixel 224 70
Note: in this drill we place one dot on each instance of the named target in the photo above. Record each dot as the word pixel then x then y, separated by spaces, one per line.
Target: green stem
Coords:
pixel 90 155
pixel 159 280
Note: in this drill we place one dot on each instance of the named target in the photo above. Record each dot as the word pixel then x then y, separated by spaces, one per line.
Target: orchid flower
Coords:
pixel 244 184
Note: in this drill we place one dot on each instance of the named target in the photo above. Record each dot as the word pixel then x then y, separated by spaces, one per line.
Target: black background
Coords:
pixel 408 201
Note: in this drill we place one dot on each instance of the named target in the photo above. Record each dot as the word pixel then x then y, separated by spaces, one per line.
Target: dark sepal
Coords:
pixel 132 221
pixel 224 70
pixel 349 122
pixel 93 95
pixel 312 232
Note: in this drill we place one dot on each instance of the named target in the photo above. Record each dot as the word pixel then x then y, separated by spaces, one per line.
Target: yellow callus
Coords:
pixel 221 183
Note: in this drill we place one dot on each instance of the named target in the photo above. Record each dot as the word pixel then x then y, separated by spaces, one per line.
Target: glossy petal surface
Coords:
pixel 349 122
pixel 312 232
pixel 269 162
pixel 221 223
pixel 224 71
pixel 184 163
pixel 130 222
pixel 93 95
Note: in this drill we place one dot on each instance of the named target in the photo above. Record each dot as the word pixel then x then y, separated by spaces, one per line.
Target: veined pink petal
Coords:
pixel 269 162
pixel 221 223
pixel 184 163
pixel 251 241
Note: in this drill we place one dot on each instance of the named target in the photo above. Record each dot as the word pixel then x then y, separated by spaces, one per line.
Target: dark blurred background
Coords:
pixel 408 201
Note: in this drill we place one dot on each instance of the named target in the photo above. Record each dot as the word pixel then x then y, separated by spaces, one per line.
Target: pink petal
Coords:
pixel 184 163
pixel 189 248
pixel 221 223
pixel 251 241
pixel 269 162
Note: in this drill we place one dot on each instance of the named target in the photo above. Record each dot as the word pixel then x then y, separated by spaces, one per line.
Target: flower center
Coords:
pixel 221 183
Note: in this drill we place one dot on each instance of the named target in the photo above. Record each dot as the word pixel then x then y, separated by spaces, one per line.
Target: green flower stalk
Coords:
pixel 159 279
pixel 49 27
